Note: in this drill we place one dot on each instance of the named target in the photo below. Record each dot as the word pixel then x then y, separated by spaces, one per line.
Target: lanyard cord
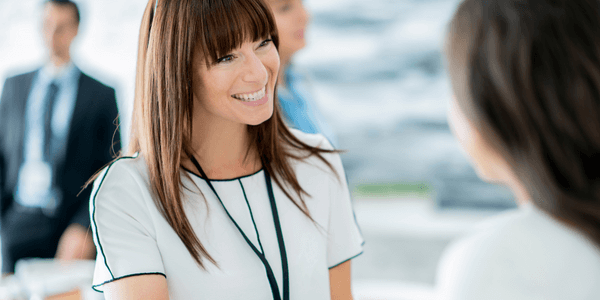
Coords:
pixel 261 256
pixel 282 252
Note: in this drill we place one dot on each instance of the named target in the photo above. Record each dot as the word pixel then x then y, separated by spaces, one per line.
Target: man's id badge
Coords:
pixel 35 184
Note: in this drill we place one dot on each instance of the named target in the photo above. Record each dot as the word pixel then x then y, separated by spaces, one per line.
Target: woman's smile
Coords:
pixel 259 98
pixel 251 97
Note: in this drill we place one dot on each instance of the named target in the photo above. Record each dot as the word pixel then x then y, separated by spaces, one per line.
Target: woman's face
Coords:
pixel 238 87
pixel 291 19
pixel 488 163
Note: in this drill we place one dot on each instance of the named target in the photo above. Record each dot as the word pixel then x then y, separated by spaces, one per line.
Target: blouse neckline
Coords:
pixel 224 180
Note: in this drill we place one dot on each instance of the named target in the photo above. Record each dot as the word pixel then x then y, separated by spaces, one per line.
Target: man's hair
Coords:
pixel 67 3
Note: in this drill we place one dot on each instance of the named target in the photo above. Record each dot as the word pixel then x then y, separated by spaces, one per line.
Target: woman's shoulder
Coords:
pixel 316 140
pixel 124 167
pixel 521 248
pixel 313 165
pixel 122 193
pixel 523 235
pixel 125 175
pixel 528 230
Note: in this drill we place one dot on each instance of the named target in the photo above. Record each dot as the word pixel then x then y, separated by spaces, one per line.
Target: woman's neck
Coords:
pixel 521 194
pixel 224 151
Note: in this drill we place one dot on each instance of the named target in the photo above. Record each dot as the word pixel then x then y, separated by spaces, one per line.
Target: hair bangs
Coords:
pixel 226 24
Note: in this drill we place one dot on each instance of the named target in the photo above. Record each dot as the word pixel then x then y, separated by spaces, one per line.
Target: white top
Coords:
pixel 132 237
pixel 522 254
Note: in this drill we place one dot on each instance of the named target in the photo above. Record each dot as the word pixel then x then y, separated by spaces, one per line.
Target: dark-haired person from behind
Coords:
pixel 526 81
pixel 56 129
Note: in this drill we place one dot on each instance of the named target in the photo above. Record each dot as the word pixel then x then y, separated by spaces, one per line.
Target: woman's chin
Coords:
pixel 259 119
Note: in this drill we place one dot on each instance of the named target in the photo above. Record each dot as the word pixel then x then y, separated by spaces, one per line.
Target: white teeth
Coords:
pixel 250 97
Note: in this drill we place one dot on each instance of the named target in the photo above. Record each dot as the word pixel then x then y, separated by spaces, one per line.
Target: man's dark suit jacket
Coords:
pixel 90 139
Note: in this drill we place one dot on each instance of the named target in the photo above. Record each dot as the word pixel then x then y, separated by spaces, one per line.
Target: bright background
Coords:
pixel 378 72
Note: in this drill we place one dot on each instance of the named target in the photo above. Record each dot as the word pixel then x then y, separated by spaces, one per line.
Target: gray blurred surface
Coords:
pixel 406 237
pixel 378 70
pixel 402 259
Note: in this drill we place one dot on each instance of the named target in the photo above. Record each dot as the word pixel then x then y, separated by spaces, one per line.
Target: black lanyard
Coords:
pixel 263 259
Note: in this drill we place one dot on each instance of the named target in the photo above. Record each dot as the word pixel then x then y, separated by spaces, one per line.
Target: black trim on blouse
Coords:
pixel 94 212
pixel 95 286
pixel 351 258
pixel 203 177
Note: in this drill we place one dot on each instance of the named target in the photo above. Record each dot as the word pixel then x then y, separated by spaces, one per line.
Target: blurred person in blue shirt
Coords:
pixel 56 130
pixel 296 100
pixel 526 109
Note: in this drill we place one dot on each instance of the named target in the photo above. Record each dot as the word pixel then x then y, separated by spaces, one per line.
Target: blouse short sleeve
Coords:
pixel 122 226
pixel 344 241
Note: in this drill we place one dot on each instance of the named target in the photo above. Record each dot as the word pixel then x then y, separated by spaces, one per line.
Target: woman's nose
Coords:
pixel 254 69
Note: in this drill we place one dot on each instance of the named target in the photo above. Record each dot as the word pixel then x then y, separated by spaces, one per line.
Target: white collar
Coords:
pixel 52 73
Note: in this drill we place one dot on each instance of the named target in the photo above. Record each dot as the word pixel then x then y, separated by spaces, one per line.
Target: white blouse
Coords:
pixel 523 254
pixel 133 238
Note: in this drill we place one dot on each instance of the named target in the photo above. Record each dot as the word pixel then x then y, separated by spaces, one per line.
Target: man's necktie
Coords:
pixel 50 100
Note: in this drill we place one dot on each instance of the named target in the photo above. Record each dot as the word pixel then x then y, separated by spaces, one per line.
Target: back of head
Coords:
pixel 527 74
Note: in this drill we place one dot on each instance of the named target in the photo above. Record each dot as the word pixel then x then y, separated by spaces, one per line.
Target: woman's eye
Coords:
pixel 265 42
pixel 226 58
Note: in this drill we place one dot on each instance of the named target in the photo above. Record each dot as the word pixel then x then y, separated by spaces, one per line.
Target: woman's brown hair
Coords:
pixel 527 74
pixel 172 32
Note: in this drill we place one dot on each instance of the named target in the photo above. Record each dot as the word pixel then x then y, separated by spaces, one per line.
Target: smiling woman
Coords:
pixel 193 211
pixel 247 74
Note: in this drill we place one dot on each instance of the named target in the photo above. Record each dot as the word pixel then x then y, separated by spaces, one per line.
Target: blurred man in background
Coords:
pixel 57 127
